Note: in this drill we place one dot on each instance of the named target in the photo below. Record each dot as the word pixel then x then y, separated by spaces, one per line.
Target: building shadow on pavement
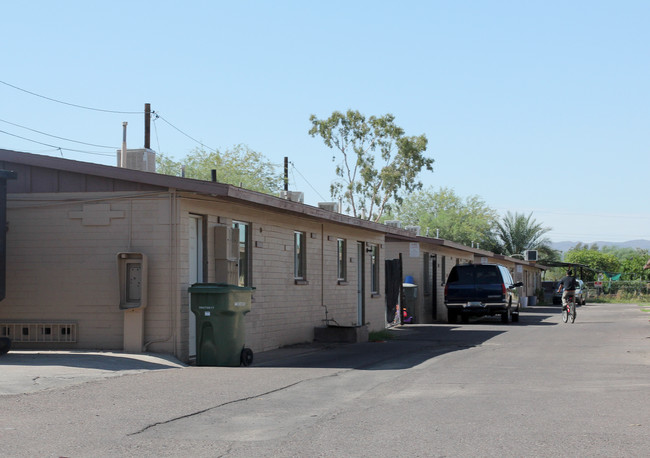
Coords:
pixel 409 345
pixel 89 360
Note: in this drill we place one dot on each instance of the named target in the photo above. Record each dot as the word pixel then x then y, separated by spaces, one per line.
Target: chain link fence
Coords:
pixel 623 290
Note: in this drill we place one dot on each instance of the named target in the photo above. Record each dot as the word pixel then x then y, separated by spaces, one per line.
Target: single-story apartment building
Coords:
pixel 101 257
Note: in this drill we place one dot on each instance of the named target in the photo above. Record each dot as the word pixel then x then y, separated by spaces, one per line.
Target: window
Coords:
pixel 426 274
pixel 299 255
pixel 444 270
pixel 244 255
pixel 374 265
pixel 341 249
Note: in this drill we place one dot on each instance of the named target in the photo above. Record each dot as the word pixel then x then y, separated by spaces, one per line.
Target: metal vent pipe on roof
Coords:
pixel 123 155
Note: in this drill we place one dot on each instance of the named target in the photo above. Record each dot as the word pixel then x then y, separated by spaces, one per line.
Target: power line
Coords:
pixel 60 138
pixel 59 148
pixel 69 104
pixel 155 128
pixel 308 183
pixel 157 115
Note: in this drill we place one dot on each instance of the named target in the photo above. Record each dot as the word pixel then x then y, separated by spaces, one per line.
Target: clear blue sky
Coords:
pixel 540 106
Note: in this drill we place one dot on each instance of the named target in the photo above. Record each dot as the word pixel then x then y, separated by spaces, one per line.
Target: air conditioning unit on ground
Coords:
pixel 293 196
pixel 530 255
pixel 414 229
pixel 331 206
pixel 393 223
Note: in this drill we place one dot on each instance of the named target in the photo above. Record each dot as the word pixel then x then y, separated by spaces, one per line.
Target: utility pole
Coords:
pixel 147 125
pixel 286 173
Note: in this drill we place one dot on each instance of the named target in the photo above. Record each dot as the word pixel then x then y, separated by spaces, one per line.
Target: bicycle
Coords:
pixel 569 310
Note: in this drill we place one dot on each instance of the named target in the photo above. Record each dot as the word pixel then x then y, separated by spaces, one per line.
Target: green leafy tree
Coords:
pixel 632 266
pixel 239 165
pixel 377 162
pixel 622 253
pixel 517 233
pixel 468 221
pixel 631 261
pixel 595 260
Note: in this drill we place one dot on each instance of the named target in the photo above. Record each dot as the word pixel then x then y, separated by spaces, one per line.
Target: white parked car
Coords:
pixel 581 293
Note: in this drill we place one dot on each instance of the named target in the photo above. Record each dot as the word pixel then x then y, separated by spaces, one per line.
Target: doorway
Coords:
pixel 393 289
pixel 433 270
pixel 195 238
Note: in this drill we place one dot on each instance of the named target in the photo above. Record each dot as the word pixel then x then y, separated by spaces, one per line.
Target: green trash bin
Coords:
pixel 219 309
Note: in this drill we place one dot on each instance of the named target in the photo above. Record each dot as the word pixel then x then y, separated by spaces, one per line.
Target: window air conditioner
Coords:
pixel 530 255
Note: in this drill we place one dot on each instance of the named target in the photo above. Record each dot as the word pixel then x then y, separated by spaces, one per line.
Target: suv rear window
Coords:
pixel 487 274
pixel 468 275
pixel 462 275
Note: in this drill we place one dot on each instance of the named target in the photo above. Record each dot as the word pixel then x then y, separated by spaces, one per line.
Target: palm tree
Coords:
pixel 519 232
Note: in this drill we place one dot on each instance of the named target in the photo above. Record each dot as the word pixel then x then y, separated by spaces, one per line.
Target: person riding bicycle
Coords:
pixel 568 286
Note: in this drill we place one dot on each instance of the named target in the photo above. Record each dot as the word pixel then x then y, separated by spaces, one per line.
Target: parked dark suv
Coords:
pixel 480 290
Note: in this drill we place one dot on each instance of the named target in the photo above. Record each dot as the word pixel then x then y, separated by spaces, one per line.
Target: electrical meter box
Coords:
pixel 132 275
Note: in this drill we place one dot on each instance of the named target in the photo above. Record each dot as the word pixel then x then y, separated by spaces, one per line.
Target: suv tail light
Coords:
pixel 503 288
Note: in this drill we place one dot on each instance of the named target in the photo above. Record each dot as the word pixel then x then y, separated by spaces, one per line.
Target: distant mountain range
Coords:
pixel 566 246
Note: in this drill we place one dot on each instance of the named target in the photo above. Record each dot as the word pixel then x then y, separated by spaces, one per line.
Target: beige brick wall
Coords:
pixel 62 264
pixel 284 312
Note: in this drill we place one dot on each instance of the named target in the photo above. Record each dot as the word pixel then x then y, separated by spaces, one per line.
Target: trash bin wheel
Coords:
pixel 246 357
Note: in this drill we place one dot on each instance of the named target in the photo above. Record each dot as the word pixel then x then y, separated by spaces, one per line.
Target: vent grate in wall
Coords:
pixel 39 331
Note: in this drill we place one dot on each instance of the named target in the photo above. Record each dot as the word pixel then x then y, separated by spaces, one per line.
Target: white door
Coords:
pixel 196 269
pixel 360 277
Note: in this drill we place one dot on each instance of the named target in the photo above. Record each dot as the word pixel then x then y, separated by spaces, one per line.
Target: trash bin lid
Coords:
pixel 409 282
pixel 216 288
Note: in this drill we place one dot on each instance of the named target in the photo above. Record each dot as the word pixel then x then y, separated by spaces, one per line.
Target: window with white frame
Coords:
pixel 341 246
pixel 244 253
pixel 444 270
pixel 299 255
pixel 374 266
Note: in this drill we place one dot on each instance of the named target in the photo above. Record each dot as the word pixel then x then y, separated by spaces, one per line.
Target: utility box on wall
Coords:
pixel 132 272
